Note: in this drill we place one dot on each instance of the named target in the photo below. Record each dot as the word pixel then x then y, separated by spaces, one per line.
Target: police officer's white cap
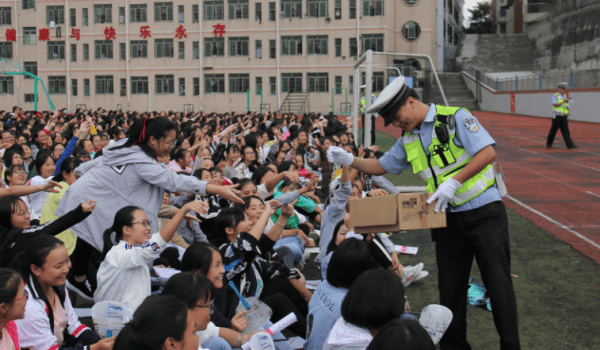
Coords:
pixel 363 87
pixel 562 85
pixel 391 97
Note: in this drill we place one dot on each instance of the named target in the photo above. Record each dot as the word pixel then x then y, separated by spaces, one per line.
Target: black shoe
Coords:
pixel 548 146
pixel 83 289
pixel 574 146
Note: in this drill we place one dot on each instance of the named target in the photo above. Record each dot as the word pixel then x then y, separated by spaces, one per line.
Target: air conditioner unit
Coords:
pixel 187 108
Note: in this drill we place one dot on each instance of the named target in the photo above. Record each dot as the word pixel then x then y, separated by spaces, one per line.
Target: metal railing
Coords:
pixel 564 7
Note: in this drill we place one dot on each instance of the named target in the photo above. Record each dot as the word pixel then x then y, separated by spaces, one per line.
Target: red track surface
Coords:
pixel 557 189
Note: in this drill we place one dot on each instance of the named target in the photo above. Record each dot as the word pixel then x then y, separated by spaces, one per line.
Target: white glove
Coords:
pixel 338 155
pixel 444 194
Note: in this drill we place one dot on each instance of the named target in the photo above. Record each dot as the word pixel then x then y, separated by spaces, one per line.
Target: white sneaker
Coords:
pixel 410 272
pixel 421 275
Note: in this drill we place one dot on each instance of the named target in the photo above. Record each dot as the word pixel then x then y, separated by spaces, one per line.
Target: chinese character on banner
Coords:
pixel 44 34
pixel 11 35
pixel 180 32
pixel 145 31
pixel 110 33
pixel 219 30
pixel 75 33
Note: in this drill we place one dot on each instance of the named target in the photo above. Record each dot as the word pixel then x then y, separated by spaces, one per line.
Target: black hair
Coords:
pixel 232 146
pixel 189 288
pixel 198 256
pixel 8 206
pixel 405 334
pixel 41 158
pixel 7 158
pixel 124 217
pixel 372 308
pixel 198 173
pixel 140 132
pixel 34 135
pixel 248 200
pixel 228 217
pixel 36 253
pixel 351 258
pixel 66 167
pixel 11 170
pixel 179 154
pixel 259 173
pixel 285 166
pixel 331 246
pixel 157 319
pixel 10 281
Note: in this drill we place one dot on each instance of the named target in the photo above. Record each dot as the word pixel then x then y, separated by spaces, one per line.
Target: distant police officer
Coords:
pixel 363 103
pixel 560 113
pixel 453 153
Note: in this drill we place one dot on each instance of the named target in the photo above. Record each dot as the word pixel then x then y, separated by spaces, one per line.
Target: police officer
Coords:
pixel 363 103
pixel 452 152
pixel 560 113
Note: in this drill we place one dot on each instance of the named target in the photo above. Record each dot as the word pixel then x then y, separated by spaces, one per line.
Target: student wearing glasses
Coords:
pixel 124 275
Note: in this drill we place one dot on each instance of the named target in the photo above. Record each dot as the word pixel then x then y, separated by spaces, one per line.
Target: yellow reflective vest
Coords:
pixel 563 108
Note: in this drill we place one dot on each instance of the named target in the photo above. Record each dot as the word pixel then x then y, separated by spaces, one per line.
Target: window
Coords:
pixel 237 9
pixel 196 82
pixel 272 86
pixel 181 86
pixel 163 11
pixel 258 81
pixel 272 11
pixel 84 18
pixel 30 67
pixel 139 85
pixel 411 2
pixel 239 83
pixel 86 52
pixel 121 15
pixel 272 48
pixel 372 7
pixel 258 48
pixel 195 17
pixel 316 44
pixel 213 10
pixel 163 48
pixel 103 49
pixel 28 4
pixel 291 8
pixel 318 82
pixel 502 28
pixel 371 42
pixel 351 84
pixel 338 47
pixel 55 14
pixel 352 9
pixel 139 49
pixel 291 45
pixel 57 85
pixel 377 80
pixel 29 35
pixel 165 84
pixel 6 85
pixel 138 13
pixel 238 46
pixel 180 15
pixel 258 12
pixel 29 98
pixel 104 84
pixel 6 50
pixel 103 13
pixel 411 31
pixel 123 86
pixel 291 82
pixel 214 47
pixel 316 8
pixel 195 50
pixel 214 83
pixel 74 87
pixel 337 9
pixel 338 84
pixel 122 52
pixel 353 48
pixel 56 50
pixel 73 20
pixel 73 52
pixel 181 50
pixel 86 87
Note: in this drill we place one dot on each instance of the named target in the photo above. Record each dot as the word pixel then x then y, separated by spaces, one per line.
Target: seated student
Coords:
pixel 12 307
pixel 124 275
pixel 349 260
pixel 366 309
pixel 159 323
pixel 402 334
pixel 50 321
pixel 180 161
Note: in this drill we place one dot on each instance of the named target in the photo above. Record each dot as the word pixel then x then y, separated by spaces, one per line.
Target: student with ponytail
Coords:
pixel 128 174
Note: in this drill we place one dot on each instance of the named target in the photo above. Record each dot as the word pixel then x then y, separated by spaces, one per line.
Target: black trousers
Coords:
pixel 481 233
pixel 562 123
pixel 283 298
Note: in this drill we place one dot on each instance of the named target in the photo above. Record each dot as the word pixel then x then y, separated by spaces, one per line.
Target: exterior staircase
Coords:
pixel 296 102
pixel 457 93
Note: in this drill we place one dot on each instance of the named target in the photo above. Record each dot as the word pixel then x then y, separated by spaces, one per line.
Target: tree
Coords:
pixel 480 19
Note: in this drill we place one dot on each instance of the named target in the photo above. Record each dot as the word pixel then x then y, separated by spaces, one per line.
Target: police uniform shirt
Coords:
pixel 555 100
pixel 469 134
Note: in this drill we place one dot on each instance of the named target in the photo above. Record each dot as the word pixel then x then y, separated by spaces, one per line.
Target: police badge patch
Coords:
pixel 471 124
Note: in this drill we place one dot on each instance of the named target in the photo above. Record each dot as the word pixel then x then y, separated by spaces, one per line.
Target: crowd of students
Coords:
pixel 90 201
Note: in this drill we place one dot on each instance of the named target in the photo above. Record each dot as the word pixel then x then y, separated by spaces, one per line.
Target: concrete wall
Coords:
pixel 584 107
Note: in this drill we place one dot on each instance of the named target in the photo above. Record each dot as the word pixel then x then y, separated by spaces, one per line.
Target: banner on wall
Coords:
pixel 512 103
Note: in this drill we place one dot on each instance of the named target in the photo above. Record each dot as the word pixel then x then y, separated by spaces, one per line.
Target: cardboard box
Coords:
pixel 403 211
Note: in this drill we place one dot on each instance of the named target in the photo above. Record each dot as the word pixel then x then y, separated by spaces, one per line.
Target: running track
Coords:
pixel 557 189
